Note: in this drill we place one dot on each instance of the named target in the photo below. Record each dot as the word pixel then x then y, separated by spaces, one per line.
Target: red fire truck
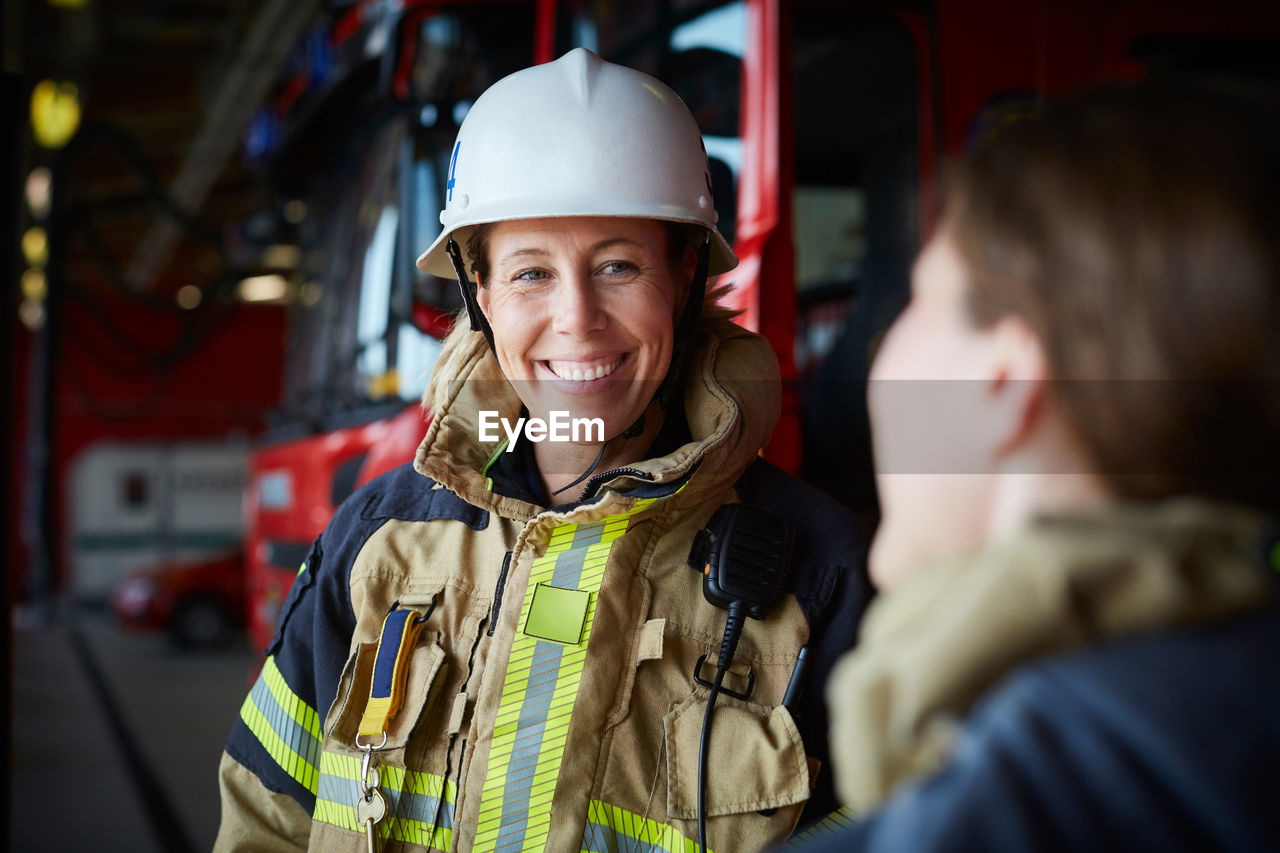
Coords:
pixel 827 125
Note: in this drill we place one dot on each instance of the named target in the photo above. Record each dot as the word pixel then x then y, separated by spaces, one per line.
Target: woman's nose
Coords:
pixel 577 307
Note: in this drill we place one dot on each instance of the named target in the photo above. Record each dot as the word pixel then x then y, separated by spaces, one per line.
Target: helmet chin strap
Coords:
pixel 672 383
pixel 479 323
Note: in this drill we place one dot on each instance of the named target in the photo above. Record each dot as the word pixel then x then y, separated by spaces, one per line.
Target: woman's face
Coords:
pixel 932 422
pixel 582 314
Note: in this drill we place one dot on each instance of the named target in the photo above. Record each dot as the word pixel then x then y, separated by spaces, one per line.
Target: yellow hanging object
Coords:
pixel 390 670
pixel 55 113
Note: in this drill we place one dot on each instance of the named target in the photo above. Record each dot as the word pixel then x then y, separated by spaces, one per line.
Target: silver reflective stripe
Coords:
pixel 602 839
pixel 404 804
pixel 543 672
pixel 295 736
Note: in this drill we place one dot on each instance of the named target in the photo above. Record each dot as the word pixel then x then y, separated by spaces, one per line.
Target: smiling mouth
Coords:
pixel 577 371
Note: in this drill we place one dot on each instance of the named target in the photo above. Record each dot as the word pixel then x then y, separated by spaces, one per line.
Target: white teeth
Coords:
pixel 578 374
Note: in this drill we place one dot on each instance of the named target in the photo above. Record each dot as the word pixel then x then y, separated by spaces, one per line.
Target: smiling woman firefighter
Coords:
pixel 588 616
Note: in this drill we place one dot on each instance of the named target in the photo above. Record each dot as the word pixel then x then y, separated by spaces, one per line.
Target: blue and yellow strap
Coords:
pixel 390 670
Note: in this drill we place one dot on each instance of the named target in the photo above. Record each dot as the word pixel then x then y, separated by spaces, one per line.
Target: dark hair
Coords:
pixel 476 251
pixel 1136 231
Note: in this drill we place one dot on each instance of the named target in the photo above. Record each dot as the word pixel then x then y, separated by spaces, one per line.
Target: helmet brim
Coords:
pixel 435 260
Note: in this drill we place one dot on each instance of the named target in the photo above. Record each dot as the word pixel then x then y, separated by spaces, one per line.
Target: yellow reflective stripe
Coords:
pixel 538 693
pixel 415 800
pixel 286 726
pixel 611 828
pixel 833 823
pixel 561 539
pixel 299 711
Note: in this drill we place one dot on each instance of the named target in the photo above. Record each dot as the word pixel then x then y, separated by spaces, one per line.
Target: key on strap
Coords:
pixel 370 809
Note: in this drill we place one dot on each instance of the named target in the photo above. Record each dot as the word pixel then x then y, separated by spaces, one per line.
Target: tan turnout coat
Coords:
pixel 511 741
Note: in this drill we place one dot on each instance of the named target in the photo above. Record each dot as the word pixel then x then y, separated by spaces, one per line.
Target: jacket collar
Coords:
pixel 732 372
pixel 931 647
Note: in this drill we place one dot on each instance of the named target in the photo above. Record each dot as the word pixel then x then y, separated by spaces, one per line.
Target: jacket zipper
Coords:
pixel 594 484
pixel 497 593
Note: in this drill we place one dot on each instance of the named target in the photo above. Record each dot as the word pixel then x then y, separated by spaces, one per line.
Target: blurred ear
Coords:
pixel 1019 383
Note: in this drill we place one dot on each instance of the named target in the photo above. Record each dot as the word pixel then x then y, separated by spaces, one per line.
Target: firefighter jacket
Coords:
pixel 1098 682
pixel 508 740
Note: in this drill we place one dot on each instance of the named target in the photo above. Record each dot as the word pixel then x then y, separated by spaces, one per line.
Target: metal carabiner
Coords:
pixel 367 759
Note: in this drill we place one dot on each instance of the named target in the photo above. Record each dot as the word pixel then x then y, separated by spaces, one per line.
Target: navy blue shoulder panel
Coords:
pixel 829 579
pixel 405 495
pixel 316 622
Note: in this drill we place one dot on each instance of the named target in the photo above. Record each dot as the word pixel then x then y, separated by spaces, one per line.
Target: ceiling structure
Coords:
pixel 166 87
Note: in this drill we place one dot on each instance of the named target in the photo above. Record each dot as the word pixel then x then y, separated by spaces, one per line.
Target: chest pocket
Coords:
pixel 437 674
pixel 758 778
pixel 425 666
pixel 755 758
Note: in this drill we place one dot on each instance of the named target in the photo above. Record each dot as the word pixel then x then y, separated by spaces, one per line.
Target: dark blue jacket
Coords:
pixel 1165 741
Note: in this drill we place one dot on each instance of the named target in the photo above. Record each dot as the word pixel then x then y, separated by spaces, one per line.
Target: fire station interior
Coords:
pixel 216 330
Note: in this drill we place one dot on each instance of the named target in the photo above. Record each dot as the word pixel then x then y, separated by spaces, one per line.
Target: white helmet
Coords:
pixel 577 137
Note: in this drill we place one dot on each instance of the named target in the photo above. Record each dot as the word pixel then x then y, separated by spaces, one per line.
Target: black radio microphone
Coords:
pixel 744 555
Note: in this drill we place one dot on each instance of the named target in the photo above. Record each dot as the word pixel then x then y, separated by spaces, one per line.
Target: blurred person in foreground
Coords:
pixel 1076 646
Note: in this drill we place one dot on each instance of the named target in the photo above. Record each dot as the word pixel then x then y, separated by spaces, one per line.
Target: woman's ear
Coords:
pixel 689 263
pixel 683 275
pixel 1019 383
pixel 482 297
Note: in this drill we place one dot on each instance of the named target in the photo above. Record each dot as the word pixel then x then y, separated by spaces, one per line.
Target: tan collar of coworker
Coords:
pixel 732 372
pixel 933 645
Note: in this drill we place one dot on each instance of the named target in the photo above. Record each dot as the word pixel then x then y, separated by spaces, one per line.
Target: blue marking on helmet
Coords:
pixel 453 169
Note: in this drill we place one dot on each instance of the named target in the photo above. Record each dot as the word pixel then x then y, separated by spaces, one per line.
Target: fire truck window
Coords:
pixel 854 224
pixel 425 226
pixel 723 29
pixel 366 289
pixel 369 160
pixel 394 358
pixel 416 352
pixel 375 296
pixel 830 225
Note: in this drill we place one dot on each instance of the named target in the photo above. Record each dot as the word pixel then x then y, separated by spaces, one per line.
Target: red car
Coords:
pixel 200 604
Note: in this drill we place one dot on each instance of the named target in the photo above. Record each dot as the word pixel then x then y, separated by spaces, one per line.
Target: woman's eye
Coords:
pixel 618 268
pixel 530 276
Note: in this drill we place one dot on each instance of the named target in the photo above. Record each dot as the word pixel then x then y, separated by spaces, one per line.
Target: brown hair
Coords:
pixel 1135 230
